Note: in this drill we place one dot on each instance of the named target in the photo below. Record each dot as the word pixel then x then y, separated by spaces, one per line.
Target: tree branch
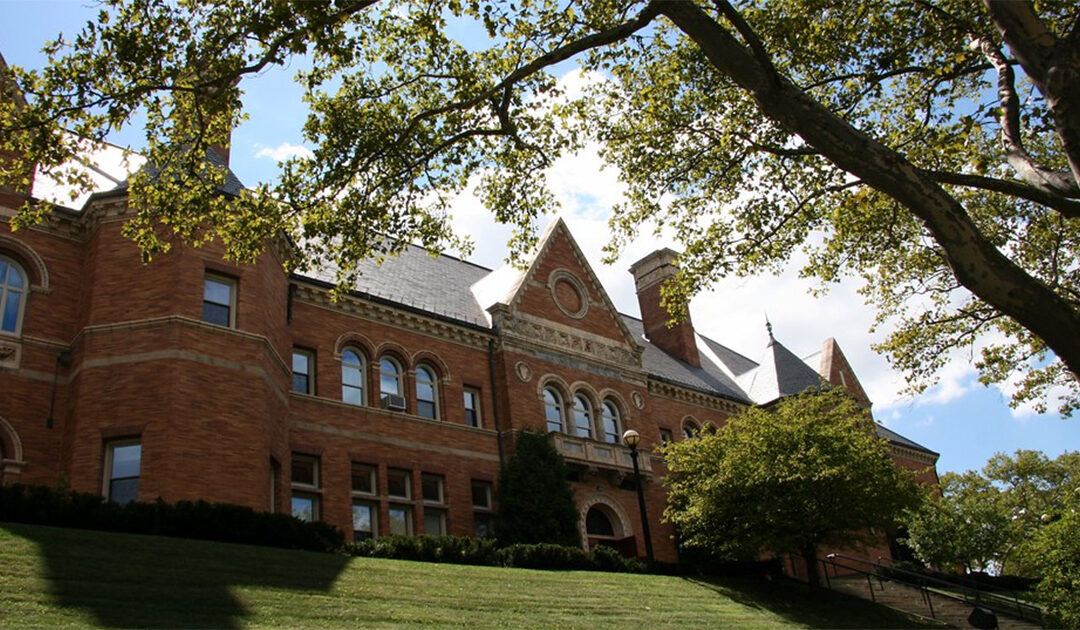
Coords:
pixel 1052 64
pixel 1066 207
pixel 977 264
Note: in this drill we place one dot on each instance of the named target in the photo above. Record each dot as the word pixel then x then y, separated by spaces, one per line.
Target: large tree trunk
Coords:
pixel 975 262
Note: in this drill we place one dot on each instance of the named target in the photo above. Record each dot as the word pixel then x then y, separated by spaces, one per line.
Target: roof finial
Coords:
pixel 768 327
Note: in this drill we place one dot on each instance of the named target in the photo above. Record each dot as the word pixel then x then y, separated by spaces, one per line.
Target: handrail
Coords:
pixel 969 593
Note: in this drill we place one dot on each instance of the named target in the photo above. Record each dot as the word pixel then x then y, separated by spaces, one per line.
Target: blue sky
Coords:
pixel 961 419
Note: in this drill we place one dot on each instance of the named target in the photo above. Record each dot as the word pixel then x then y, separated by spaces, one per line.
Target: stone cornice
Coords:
pixel 388 315
pixel 692 396
pixel 920 456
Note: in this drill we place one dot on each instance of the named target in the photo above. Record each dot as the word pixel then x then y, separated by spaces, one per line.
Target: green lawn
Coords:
pixel 51 577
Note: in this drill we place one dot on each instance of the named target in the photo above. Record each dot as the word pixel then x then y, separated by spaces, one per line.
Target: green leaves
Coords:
pixel 411 103
pixel 808 472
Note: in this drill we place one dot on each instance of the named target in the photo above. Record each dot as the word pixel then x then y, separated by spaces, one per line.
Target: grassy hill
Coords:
pixel 51 577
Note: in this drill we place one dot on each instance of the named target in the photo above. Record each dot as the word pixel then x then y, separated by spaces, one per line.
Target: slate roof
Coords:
pixel 892 436
pixel 232 186
pixel 780 374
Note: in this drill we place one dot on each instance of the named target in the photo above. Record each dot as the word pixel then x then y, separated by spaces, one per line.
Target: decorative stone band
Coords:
pixel 390 316
pixel 694 397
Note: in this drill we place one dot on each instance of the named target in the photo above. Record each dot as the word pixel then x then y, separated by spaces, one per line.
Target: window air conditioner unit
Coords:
pixel 393 402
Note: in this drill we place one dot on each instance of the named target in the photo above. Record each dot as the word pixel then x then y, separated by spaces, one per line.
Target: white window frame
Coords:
pixel 430 378
pixel 373 478
pixel 441 485
pixel 556 404
pixel 310 374
pixel 360 368
pixel 6 291
pixel 409 517
pixel 373 506
pixel 583 406
pixel 226 281
pixel 398 373
pixel 108 479
pixel 390 472
pixel 610 411
pixel 473 393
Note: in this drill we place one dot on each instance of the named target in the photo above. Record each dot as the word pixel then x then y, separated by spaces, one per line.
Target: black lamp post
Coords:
pixel 631 439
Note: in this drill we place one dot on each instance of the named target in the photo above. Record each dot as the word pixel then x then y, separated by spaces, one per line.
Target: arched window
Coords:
pixel 13 286
pixel 690 429
pixel 553 410
pixel 609 420
pixel 426 391
pixel 352 377
pixel 582 417
pixel 389 377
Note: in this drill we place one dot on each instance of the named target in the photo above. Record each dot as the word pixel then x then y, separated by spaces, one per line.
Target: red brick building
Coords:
pixel 387 411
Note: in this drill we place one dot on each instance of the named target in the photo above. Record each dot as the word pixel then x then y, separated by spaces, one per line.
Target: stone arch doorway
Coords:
pixel 605 524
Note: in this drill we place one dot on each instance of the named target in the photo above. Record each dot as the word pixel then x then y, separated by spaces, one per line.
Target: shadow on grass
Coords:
pixel 800 603
pixel 128 580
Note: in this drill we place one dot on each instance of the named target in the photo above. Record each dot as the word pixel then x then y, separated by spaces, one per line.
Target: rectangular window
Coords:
pixel 363 520
pixel 302 363
pixel 481 494
pixel 472 407
pixel 363 479
pixel 432 486
pixel 123 459
pixel 305 506
pixel 665 436
pixel 401 520
pixel 483 524
pixel 434 522
pixel 305 485
pixel 399 483
pixel 219 300
pixel 305 470
pixel 483 519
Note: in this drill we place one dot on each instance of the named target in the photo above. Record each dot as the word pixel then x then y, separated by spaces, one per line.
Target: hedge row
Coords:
pixel 41 505
pixel 485 551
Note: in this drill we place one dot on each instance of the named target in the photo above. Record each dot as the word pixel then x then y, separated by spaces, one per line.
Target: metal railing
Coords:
pixel 960 589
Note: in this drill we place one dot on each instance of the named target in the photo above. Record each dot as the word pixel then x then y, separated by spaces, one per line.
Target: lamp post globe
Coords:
pixel 631 438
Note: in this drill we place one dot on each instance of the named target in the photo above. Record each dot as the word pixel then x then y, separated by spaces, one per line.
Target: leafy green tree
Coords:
pixel 966 526
pixel 931 147
pixel 1055 555
pixel 989 518
pixel 536 504
pixel 811 471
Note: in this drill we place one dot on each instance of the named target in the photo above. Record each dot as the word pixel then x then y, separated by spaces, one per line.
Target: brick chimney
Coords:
pixel 650 273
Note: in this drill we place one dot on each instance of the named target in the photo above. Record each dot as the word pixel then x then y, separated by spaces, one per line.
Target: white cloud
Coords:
pixel 284 151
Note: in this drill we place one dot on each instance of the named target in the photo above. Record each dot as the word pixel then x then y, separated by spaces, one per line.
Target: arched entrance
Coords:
pixel 606 525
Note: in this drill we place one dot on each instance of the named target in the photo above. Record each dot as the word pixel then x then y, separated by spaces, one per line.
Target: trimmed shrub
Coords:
pixel 41 505
pixel 607 559
pixel 448 549
pixel 545 556
pixel 536 504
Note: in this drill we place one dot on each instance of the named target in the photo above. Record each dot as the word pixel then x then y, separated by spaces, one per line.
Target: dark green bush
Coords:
pixel 449 549
pixel 607 559
pixel 41 505
pixel 545 556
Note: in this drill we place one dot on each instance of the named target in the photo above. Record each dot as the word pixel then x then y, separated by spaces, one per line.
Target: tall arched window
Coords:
pixel 389 377
pixel 553 410
pixel 352 377
pixel 426 390
pixel 690 429
pixel 609 420
pixel 13 286
pixel 583 416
